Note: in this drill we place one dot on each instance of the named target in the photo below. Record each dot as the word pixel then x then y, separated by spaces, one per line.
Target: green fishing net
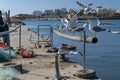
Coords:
pixel 6 54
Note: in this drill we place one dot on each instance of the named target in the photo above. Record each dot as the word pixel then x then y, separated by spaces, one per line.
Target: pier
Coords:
pixel 43 65
pixel 34 62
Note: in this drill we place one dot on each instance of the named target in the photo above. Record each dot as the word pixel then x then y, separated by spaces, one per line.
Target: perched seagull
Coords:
pixel 60 27
pixel 95 29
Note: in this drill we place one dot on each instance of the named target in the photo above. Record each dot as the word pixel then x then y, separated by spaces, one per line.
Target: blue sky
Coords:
pixel 28 6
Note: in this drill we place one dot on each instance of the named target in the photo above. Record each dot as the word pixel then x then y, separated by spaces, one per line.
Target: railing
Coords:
pixel 51 33
pixel 7 33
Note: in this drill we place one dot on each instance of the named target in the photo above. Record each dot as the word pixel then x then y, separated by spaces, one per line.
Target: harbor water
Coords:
pixel 103 57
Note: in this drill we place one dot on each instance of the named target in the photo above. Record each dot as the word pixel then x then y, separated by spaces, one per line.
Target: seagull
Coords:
pixel 85 8
pixel 98 22
pixel 103 24
pixel 79 29
pixel 65 22
pixel 72 23
pixel 114 32
pixel 60 27
pixel 95 29
pixel 98 8
pixel 75 52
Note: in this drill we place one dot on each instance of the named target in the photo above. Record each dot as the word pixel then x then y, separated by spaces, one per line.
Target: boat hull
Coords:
pixel 68 47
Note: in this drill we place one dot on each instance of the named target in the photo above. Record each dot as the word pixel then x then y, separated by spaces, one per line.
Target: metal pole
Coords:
pixel 84 52
pixel 51 34
pixel 38 34
pixel 8 18
pixel 20 37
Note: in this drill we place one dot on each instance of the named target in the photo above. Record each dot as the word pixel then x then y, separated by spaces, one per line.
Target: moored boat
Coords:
pixel 68 47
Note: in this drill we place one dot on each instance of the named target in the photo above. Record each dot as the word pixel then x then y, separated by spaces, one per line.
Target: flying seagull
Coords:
pixel 86 9
pixel 95 29
pixel 103 24
pixel 79 29
pixel 114 32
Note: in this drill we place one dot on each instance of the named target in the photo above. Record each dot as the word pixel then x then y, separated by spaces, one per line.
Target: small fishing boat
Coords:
pixel 68 47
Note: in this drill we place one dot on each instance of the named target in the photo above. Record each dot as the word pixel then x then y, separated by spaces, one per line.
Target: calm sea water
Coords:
pixel 103 57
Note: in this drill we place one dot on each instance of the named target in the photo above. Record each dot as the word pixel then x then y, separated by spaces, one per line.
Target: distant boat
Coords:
pixel 68 47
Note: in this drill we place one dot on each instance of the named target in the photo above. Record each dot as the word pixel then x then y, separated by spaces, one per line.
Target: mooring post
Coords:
pixel 84 48
pixel 57 67
pixel 20 37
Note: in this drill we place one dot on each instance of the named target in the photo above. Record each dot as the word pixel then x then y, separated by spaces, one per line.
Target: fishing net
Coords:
pixel 6 54
pixel 8 74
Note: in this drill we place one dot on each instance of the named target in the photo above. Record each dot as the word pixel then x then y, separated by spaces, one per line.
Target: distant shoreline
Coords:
pixel 17 20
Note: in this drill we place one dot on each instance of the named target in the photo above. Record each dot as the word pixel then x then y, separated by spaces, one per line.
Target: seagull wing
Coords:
pixel 84 25
pixel 98 22
pixel 72 22
pixel 65 22
pixel 115 32
pixel 81 5
pixel 79 29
